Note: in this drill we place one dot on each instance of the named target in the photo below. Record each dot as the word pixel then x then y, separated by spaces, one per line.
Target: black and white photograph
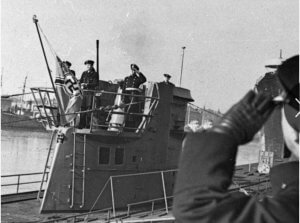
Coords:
pixel 150 111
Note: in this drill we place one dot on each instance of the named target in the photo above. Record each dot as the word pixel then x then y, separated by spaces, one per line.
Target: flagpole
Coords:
pixel 35 21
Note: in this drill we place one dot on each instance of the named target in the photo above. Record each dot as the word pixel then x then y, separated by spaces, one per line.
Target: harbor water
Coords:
pixel 22 152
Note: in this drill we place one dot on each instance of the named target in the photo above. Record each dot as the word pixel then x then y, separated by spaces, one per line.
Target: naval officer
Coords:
pixel 166 81
pixel 130 87
pixel 207 162
pixel 68 64
pixel 89 81
pixel 132 82
pixel 89 78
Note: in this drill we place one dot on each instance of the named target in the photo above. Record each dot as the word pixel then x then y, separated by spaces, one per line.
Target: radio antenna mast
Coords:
pixel 183 48
pixel 280 54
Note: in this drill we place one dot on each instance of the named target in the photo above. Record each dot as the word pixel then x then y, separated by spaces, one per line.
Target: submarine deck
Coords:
pixel 28 210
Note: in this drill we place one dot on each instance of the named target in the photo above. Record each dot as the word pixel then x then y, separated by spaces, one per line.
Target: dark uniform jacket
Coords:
pixel 168 83
pixel 91 78
pixel 206 168
pixel 134 81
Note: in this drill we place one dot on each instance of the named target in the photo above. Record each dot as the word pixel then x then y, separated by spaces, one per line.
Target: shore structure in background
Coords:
pixel 201 116
pixel 269 84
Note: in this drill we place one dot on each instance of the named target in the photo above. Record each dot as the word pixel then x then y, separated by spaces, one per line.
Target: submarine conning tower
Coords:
pixel 128 154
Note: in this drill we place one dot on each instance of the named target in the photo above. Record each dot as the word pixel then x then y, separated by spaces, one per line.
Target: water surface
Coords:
pixel 23 151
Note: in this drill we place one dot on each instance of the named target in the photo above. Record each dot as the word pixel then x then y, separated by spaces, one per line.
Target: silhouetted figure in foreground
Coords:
pixel 207 162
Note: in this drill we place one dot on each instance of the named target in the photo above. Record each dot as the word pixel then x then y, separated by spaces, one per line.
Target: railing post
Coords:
pixel 18 184
pixel 73 170
pixel 47 175
pixel 152 208
pixel 83 171
pixel 164 190
pixel 92 113
pixel 46 114
pixel 112 197
pixel 108 215
pixel 128 210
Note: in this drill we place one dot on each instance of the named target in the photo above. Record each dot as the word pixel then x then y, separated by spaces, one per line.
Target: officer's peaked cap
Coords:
pixel 68 63
pixel 89 62
pixel 167 75
pixel 273 63
pixel 288 74
pixel 134 66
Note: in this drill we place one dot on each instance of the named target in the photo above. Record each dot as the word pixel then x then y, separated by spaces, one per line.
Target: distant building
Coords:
pixel 21 106
pixel 178 107
pixel 269 84
pixel 6 104
pixel 203 116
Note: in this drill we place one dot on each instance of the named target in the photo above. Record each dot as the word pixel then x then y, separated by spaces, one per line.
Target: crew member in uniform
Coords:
pixel 167 80
pixel 132 83
pixel 207 162
pixel 68 64
pixel 131 86
pixel 89 81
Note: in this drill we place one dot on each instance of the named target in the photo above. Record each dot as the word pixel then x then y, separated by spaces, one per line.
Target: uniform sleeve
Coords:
pixel 201 194
pixel 73 72
pixel 96 79
pixel 143 79
pixel 123 85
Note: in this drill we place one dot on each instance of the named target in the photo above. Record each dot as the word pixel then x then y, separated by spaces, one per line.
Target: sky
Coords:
pixel 227 42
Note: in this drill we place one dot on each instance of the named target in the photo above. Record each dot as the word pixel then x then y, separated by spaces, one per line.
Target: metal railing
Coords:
pixel 50 114
pixel 142 100
pixel 152 201
pixel 78 217
pixel 18 179
pixel 110 213
pixel 165 198
pixel 111 185
pixel 47 106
